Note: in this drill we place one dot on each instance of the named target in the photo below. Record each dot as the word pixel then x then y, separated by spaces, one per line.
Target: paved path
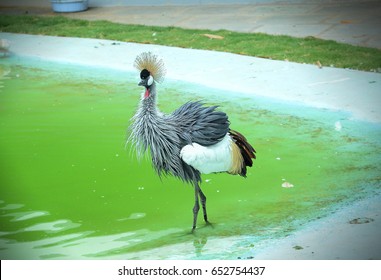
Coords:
pixel 354 22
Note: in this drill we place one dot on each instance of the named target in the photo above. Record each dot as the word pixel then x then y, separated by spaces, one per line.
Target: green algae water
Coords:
pixel 72 189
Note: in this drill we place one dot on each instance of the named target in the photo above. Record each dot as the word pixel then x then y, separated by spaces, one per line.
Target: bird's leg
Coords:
pixel 203 203
pixel 196 207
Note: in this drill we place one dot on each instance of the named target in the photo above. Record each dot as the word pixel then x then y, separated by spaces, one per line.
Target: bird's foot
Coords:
pixel 193 229
pixel 209 224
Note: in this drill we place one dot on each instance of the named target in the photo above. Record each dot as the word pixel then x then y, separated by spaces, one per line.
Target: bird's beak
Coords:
pixel 142 83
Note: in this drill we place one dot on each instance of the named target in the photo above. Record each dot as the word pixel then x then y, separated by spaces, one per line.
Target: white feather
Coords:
pixel 215 158
pixel 150 80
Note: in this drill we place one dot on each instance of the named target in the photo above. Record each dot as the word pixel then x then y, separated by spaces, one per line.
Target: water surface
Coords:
pixel 70 189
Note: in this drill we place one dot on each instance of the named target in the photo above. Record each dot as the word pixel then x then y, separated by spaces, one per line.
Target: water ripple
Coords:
pixel 55 226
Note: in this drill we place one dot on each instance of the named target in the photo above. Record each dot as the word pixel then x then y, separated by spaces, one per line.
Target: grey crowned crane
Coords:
pixel 193 139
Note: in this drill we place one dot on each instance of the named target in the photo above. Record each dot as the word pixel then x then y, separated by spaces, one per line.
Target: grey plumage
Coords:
pixel 199 124
pixel 165 135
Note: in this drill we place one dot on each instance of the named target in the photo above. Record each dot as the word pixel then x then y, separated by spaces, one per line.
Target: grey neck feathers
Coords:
pixel 153 130
pixel 144 122
pixel 148 105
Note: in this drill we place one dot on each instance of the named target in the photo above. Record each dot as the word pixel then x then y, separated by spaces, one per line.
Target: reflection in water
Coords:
pixel 55 240
pixel 22 216
pixel 12 206
pixel 199 244
pixel 55 226
pixel 4 47
pixel 133 216
pixel 4 74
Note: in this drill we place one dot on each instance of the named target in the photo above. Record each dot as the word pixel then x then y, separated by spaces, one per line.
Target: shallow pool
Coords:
pixel 70 189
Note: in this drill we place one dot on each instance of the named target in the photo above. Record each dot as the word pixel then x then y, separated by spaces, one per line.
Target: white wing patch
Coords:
pixel 214 158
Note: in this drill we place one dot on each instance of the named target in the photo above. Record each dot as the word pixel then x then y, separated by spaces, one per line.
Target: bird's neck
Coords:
pixel 148 101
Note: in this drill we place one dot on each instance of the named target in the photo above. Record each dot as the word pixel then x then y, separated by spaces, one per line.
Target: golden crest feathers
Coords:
pixel 152 63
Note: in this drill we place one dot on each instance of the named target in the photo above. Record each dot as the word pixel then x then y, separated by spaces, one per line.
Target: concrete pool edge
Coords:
pixel 334 237
pixel 356 92
pixel 73 48
pixel 337 236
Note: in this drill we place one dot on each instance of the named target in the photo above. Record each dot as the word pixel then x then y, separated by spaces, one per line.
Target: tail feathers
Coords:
pixel 247 151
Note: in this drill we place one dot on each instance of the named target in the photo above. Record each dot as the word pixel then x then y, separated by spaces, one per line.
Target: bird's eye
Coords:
pixel 144 74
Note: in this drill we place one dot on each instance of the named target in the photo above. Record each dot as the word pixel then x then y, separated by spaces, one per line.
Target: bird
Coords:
pixel 194 139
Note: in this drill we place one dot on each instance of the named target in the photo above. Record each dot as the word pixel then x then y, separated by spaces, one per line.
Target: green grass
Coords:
pixel 303 50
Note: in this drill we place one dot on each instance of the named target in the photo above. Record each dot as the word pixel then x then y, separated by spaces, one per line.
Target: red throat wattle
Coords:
pixel 146 94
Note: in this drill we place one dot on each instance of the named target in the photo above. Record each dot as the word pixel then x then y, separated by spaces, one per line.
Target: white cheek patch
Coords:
pixel 150 81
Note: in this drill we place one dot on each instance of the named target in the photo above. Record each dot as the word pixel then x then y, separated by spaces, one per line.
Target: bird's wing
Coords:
pixel 201 124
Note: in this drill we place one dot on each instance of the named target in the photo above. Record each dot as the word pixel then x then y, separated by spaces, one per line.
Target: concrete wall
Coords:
pixel 104 3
